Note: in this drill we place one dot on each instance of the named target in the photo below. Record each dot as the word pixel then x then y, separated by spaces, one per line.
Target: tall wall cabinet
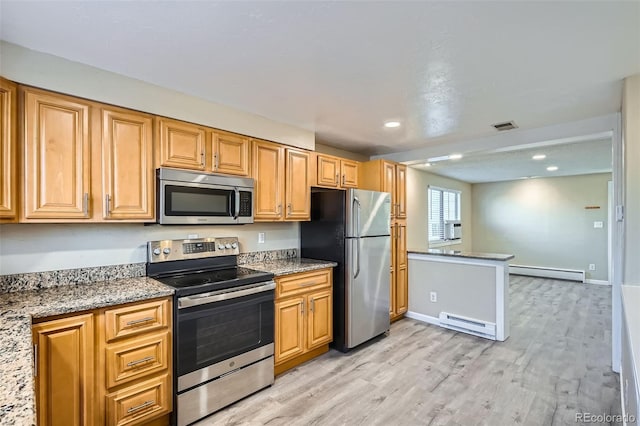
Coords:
pixel 387 176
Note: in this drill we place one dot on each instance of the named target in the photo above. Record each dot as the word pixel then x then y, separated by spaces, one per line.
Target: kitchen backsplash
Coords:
pixel 79 276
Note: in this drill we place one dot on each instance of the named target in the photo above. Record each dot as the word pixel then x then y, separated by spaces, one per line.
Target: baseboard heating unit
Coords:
pixel 543 272
pixel 468 325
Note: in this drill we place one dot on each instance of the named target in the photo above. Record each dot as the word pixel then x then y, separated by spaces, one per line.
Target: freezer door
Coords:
pixel 367 288
pixel 368 213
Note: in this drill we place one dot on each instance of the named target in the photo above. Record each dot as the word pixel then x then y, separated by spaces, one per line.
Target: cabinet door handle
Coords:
pixel 311 307
pixel 337 177
pixel 107 205
pixel 215 161
pixel 140 361
pixel 85 204
pixel 307 284
pixel 302 307
pixel 343 177
pixel 140 321
pixel 35 360
pixel 141 406
pixel 289 208
pixel 279 209
pixel 202 158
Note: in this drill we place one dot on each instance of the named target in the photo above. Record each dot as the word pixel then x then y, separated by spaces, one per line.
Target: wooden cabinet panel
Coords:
pixel 320 319
pixel 328 171
pixel 135 319
pixel 56 156
pixel 298 185
pixel 64 371
pixel 389 184
pixel 289 326
pixel 401 249
pixel 349 172
pixel 8 153
pixel 295 284
pixel 230 153
pixel 399 278
pixel 140 402
pixel 392 291
pixel 401 191
pixel 181 144
pixel 133 359
pixel 268 172
pixel 127 159
pixel 402 299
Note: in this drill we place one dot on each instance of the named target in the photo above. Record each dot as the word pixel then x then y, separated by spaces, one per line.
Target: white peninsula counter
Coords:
pixel 463 291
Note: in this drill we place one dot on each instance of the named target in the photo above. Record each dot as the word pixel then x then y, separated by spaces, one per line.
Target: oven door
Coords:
pixel 223 324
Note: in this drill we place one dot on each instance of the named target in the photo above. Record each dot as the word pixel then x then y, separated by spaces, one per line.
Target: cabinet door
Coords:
pixel 402 299
pixel 401 191
pixel 349 173
pixel 298 187
pixel 289 328
pixel 8 146
pixel 319 319
pixel 392 290
pixel 268 172
pixel 127 172
pixel 64 371
pixel 328 171
pixel 230 154
pixel 389 184
pixel 57 157
pixel 401 247
pixel 181 144
pixel 392 286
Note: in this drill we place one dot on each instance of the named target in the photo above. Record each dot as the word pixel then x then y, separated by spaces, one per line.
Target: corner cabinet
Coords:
pixel 334 172
pixel 8 155
pixel 282 183
pixel 303 317
pixel 108 366
pixel 56 156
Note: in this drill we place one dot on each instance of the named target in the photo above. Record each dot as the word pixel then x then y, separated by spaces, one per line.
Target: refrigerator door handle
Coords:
pixel 357 203
pixel 356 257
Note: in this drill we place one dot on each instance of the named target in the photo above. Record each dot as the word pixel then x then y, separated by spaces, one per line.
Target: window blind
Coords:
pixel 443 205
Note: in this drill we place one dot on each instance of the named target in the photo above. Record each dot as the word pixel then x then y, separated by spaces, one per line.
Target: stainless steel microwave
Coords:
pixel 198 198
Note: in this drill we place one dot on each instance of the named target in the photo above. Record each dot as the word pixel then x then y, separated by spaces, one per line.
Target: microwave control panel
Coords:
pixel 245 204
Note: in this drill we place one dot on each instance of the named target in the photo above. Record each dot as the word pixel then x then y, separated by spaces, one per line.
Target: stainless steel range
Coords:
pixel 223 323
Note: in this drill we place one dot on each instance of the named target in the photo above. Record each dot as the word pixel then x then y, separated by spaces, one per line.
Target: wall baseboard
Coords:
pixel 597 282
pixel 424 318
pixel 544 272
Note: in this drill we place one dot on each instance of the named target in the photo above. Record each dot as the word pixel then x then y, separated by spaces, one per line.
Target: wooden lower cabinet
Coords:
pixel 64 371
pixel 303 318
pixel 87 373
pixel 399 273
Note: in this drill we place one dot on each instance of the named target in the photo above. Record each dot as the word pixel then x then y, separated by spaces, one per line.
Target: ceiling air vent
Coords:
pixel 507 125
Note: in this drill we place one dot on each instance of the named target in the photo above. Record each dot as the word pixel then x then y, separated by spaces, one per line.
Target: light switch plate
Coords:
pixel 592 266
pixel 260 237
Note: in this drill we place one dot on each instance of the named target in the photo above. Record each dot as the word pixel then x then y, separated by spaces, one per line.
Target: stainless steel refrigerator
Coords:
pixel 352 228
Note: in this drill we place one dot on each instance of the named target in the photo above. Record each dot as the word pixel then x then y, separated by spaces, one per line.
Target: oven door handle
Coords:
pixel 218 296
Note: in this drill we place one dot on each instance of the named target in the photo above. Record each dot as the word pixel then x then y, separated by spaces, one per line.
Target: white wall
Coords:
pixel 45 247
pixel 61 75
pixel 543 222
pixel 631 136
pixel 417 221
pixel 327 149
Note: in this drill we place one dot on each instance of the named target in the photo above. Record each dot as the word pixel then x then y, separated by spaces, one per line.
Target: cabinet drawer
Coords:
pixel 136 319
pixel 135 358
pixel 139 403
pixel 300 283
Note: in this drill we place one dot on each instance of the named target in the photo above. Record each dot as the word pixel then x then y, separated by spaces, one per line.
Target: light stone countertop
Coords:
pixel 18 308
pixel 465 254
pixel 280 267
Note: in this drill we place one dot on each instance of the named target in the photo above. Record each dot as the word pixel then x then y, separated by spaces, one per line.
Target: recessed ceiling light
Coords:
pixel 539 157
pixel 552 168
pixel 427 164
pixel 392 124
pixel 455 156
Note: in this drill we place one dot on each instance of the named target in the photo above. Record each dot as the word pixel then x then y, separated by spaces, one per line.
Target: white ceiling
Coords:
pixel 594 156
pixel 446 70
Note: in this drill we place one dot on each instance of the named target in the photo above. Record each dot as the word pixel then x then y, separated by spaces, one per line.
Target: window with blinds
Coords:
pixel 444 204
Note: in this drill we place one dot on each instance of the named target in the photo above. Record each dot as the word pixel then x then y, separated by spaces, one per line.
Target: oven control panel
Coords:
pixel 168 250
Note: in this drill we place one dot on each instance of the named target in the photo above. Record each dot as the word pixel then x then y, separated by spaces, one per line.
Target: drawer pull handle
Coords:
pixel 140 361
pixel 310 283
pixel 140 321
pixel 141 406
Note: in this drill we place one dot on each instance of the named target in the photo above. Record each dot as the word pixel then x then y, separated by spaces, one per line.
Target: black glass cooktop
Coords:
pixel 197 282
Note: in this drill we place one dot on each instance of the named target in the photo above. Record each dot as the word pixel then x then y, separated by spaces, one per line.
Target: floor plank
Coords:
pixel 556 363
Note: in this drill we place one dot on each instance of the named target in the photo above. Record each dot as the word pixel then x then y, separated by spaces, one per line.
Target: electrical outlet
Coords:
pixel 592 266
pixel 434 296
pixel 598 224
pixel 260 237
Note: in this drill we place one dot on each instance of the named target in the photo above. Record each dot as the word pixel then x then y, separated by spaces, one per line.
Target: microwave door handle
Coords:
pixel 237 197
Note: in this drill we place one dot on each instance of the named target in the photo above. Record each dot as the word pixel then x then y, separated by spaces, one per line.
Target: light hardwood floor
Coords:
pixel 555 364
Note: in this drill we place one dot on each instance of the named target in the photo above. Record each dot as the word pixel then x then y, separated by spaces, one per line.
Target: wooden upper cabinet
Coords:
pixel 181 144
pixel 389 183
pixel 56 156
pixel 230 153
pixel 127 165
pixel 328 171
pixel 349 173
pixel 268 171
pixel 8 146
pixel 297 186
pixel 64 371
pixel 401 191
